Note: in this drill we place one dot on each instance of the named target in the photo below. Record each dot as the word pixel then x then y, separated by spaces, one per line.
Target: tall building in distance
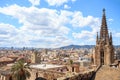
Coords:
pixel 104 50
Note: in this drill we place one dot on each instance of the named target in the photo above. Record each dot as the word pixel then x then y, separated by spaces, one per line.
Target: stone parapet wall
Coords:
pixel 55 75
pixel 49 75
pixel 108 73
pixel 79 76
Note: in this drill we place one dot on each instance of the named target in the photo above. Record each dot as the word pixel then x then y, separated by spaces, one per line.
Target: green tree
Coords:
pixel 20 70
pixel 71 62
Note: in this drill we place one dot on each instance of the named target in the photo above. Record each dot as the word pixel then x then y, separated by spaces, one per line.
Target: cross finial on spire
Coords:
pixel 103 10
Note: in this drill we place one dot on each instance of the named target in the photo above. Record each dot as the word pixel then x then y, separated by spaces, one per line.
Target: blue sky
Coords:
pixel 56 23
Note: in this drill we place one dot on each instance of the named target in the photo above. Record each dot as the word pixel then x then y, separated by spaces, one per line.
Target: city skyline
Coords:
pixel 55 23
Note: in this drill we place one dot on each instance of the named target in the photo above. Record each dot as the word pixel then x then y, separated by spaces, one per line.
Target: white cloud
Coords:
pixel 66 7
pixel 40 26
pixel 43 27
pixel 87 36
pixel 73 0
pixel 79 21
pixel 7 32
pixel 34 2
pixel 58 2
pixel 110 19
pixel 117 34
pixel 83 34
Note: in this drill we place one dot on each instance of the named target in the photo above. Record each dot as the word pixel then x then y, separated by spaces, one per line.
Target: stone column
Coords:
pixel 2 77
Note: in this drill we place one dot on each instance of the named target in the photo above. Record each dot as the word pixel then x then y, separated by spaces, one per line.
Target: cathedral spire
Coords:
pixel 104 50
pixel 104 30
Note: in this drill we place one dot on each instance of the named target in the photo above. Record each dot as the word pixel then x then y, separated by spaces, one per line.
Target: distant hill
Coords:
pixel 64 47
pixel 82 46
pixel 117 46
pixel 77 46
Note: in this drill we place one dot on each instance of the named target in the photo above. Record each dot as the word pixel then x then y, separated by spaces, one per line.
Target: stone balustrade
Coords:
pixel 2 77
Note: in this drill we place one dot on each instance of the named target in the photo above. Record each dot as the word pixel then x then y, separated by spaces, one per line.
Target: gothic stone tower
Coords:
pixel 104 50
